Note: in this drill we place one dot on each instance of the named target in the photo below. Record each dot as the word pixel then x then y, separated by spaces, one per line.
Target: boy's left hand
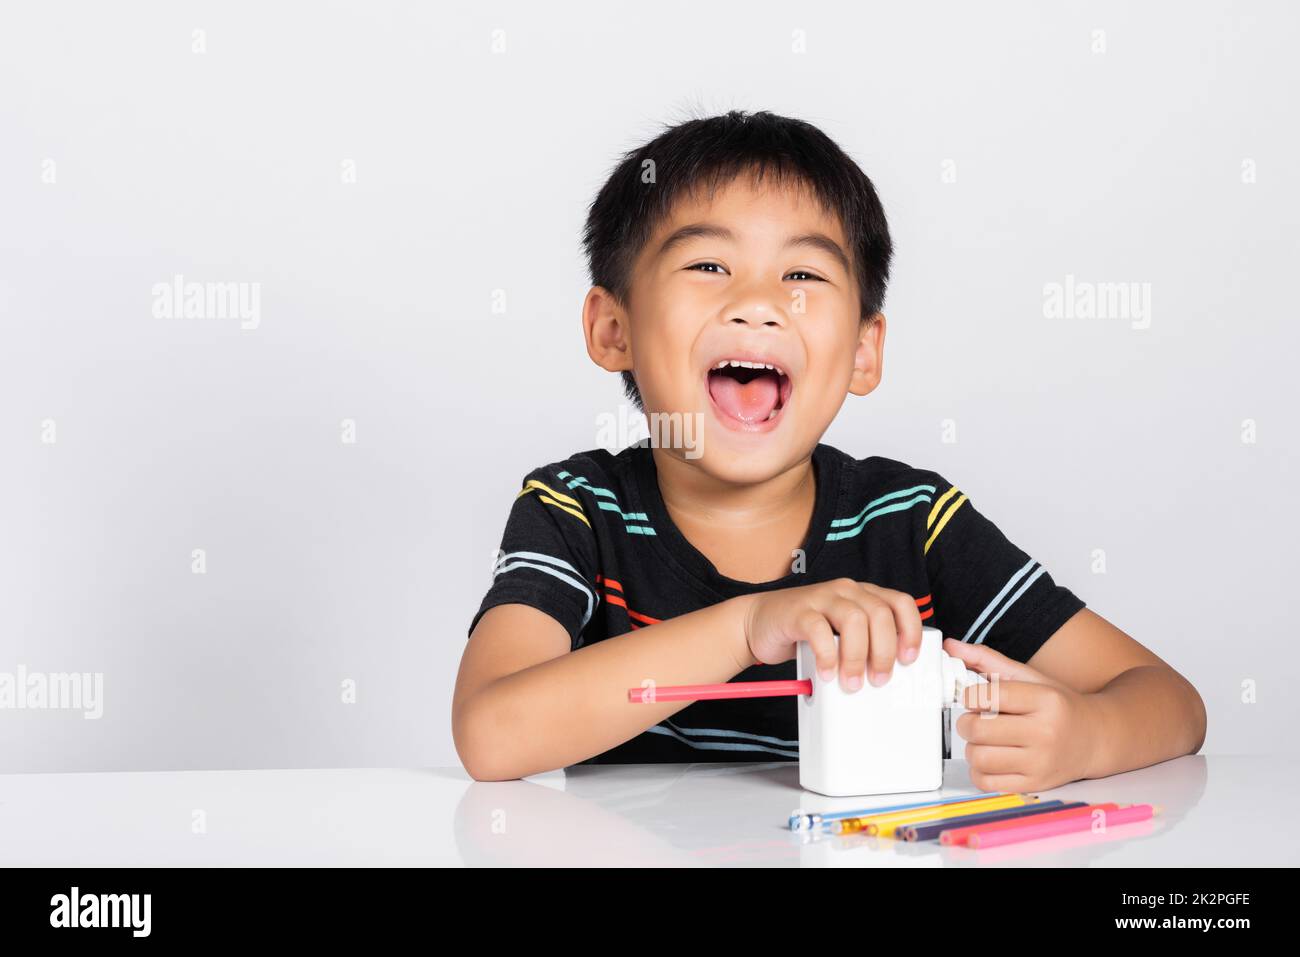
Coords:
pixel 1025 731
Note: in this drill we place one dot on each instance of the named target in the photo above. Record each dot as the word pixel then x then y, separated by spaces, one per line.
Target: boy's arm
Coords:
pixel 1097 702
pixel 1146 711
pixel 1091 702
pixel 524 703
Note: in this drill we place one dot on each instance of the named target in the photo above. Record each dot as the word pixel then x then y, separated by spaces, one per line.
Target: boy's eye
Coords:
pixel 797 272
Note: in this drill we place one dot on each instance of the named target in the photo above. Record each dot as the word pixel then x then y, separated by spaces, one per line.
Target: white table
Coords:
pixel 646 815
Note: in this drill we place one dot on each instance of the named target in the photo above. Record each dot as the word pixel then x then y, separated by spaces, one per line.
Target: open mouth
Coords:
pixel 752 394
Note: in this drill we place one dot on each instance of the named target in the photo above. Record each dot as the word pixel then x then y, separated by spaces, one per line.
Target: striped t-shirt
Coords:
pixel 589 541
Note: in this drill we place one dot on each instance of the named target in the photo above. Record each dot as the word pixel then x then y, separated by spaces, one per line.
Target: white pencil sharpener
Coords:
pixel 879 740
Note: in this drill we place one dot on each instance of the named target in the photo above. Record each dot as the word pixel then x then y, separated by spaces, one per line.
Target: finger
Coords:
pixel 1006 730
pixel 991 759
pixel 907 622
pixel 884 643
pixel 984 660
pixel 811 626
pixel 1000 783
pixel 851 623
pixel 1001 696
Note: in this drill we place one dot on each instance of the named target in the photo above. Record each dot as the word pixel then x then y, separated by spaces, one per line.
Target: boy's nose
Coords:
pixel 758 300
pixel 758 316
pixel 757 321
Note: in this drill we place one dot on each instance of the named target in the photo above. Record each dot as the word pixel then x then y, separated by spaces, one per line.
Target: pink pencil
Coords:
pixel 1065 825
pixel 732 689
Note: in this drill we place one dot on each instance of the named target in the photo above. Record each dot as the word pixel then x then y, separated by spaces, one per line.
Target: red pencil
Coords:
pixel 959 835
pixel 732 689
pixel 1074 825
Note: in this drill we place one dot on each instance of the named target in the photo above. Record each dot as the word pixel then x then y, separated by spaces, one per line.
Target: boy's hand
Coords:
pixel 1024 732
pixel 875 625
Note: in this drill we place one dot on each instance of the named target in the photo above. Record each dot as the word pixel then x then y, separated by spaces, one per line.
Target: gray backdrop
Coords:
pixel 267 528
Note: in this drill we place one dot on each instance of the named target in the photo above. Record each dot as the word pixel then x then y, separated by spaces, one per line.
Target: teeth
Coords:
pixel 745 364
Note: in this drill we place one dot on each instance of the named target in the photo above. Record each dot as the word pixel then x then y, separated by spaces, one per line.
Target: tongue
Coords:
pixel 750 401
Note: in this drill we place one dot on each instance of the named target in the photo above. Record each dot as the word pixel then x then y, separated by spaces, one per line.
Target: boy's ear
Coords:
pixel 607 330
pixel 870 355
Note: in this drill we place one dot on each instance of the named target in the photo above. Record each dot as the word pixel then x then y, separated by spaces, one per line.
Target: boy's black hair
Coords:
pixel 710 152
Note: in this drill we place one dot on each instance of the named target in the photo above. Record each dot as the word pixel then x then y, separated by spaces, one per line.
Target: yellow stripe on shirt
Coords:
pixel 558 499
pixel 938 506
pixel 947 517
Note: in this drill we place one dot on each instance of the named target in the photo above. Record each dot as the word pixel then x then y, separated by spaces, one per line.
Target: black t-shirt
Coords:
pixel 589 541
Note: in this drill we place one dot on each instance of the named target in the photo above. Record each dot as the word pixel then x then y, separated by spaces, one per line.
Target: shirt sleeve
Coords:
pixel 985 589
pixel 547 557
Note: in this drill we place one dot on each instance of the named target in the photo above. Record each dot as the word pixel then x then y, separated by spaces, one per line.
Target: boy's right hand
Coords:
pixel 875 625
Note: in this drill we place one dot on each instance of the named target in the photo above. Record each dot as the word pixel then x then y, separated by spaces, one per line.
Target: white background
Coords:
pixel 328 562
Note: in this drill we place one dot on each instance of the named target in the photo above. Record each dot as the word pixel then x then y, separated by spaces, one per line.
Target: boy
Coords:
pixel 739 266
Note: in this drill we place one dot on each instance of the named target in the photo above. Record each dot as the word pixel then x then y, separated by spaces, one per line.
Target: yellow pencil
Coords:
pixel 887 828
pixel 869 822
pixel 883 825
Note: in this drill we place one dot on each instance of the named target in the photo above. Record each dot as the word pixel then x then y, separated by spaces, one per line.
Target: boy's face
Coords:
pixel 761 274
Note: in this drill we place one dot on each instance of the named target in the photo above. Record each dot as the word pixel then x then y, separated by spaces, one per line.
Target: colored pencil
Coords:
pixel 958 835
pixel 886 828
pixel 930 831
pixel 1069 825
pixel 801 821
pixel 884 824
pixel 730 689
